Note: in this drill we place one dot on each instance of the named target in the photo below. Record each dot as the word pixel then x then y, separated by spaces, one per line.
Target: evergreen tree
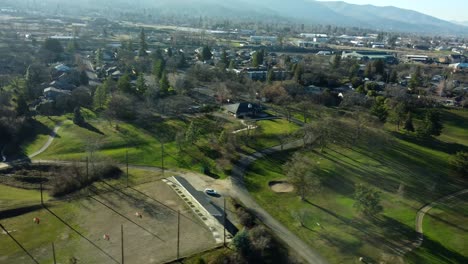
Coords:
pixel 393 77
pixel 379 66
pixel 408 126
pixel 78 118
pixel 100 96
pixel 124 84
pixel 143 44
pixel 434 122
pixel 270 76
pixel 298 71
pixel 232 65
pixel 84 79
pixel 141 86
pixel 29 84
pixel 354 70
pixel 336 61
pixel 158 69
pixel 191 133
pixel 129 45
pixel 379 110
pixel 164 84
pixel 22 108
pixel 99 57
pixel 368 71
pixel 157 55
pixel 431 126
pixel 169 52
pixel 258 58
pixel 206 54
pixel 224 59
pixel 181 63
pixel 415 80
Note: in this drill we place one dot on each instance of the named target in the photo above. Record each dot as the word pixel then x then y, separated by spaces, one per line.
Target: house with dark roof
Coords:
pixel 244 109
pixel 52 93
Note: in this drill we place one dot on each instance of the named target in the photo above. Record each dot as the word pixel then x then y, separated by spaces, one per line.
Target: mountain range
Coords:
pixel 338 13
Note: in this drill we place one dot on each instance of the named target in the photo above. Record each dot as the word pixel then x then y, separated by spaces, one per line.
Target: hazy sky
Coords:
pixel 444 9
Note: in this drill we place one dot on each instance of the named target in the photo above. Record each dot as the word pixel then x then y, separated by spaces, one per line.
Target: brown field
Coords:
pixel 74 226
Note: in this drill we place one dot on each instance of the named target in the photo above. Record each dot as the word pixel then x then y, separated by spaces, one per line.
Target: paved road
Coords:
pixel 240 192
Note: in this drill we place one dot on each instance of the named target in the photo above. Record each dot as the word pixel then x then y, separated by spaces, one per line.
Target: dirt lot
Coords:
pixel 149 239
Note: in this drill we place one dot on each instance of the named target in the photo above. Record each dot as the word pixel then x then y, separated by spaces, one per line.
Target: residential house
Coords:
pixel 244 109
pixel 52 93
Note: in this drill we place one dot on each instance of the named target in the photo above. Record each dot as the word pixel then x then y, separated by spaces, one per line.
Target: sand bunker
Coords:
pixel 281 186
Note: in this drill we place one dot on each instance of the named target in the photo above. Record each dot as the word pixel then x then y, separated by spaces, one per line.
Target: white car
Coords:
pixel 211 192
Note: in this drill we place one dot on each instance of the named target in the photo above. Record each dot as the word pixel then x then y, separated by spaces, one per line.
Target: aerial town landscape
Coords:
pixel 233 131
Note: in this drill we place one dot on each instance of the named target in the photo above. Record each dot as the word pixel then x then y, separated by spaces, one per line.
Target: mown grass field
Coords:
pixel 143 145
pixel 409 174
pixel 11 197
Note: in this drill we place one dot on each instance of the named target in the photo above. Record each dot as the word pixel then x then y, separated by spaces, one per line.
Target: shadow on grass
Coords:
pixel 434 252
pixel 91 128
pixel 29 132
pixel 436 217
pixel 432 143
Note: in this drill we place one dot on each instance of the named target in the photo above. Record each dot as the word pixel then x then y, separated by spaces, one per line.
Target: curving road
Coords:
pixel 241 193
pixel 51 138
pixel 420 217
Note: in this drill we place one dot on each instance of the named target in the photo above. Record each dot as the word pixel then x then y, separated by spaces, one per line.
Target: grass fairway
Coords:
pixel 445 227
pixel 409 173
pixel 144 146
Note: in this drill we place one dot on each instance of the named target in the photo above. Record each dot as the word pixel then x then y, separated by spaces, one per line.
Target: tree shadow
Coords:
pixel 440 219
pixel 30 131
pixel 91 128
pixel 432 143
pixel 434 252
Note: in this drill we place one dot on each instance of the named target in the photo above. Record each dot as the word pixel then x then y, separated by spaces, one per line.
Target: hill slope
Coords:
pixel 301 11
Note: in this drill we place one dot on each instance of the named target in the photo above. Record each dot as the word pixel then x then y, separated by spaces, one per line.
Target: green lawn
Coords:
pixel 446 233
pixel 409 173
pixel 143 144
pixel 11 197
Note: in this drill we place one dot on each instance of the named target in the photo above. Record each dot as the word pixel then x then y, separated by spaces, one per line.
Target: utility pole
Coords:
pixel 224 222
pixel 87 168
pixel 42 196
pixel 126 161
pixel 87 173
pixel 41 180
pixel 178 234
pixel 162 157
pixel 53 252
pixel 122 242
